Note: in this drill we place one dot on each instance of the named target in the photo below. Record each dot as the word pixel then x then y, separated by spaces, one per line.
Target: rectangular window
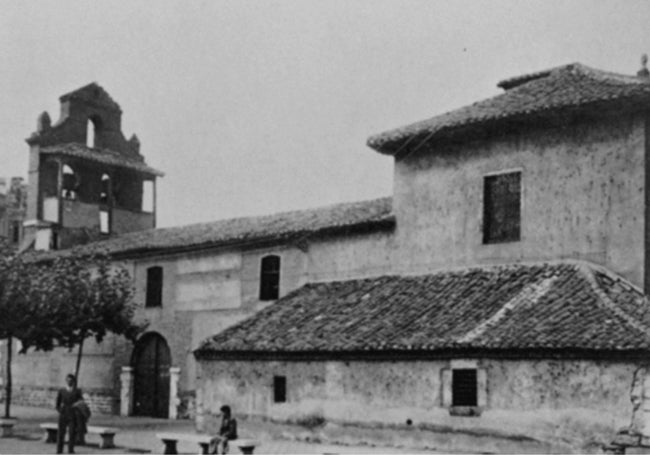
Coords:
pixel 502 208
pixel 279 389
pixel 154 287
pixel 270 278
pixel 15 231
pixel 464 387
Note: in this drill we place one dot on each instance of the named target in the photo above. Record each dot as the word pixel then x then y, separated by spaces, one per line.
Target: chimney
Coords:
pixel 643 72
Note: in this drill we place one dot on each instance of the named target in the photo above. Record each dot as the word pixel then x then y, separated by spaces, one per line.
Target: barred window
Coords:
pixel 464 387
pixel 502 208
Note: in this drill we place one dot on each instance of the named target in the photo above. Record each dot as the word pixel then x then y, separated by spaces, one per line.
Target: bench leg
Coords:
pixel 50 434
pixel 170 446
pixel 205 448
pixel 6 431
pixel 247 449
pixel 107 441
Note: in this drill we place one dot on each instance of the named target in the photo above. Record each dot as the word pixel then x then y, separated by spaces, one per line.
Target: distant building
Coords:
pixel 13 203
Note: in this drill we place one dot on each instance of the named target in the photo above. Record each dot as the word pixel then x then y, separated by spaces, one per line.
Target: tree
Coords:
pixel 19 311
pixel 92 297
pixel 47 303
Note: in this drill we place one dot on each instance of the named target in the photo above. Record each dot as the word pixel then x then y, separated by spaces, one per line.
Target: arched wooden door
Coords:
pixel 151 362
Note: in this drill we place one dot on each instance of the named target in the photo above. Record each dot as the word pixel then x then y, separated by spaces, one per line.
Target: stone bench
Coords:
pixel 207 443
pixel 107 434
pixel 245 445
pixel 7 427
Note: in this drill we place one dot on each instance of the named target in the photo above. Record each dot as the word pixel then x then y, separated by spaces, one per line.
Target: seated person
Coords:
pixel 228 430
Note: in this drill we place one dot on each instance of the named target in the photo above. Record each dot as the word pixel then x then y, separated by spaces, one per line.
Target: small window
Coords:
pixel 70 183
pixel 104 194
pixel 502 208
pixel 54 241
pixel 154 287
pixel 93 127
pixel 270 278
pixel 464 387
pixel 15 231
pixel 279 389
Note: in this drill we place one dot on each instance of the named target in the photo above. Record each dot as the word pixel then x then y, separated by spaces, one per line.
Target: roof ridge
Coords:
pixel 604 300
pixel 517 81
pixel 604 75
pixel 284 213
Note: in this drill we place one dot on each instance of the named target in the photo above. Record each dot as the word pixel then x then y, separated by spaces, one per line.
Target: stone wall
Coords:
pixel 582 190
pixel 206 292
pixel 100 401
pixel 529 397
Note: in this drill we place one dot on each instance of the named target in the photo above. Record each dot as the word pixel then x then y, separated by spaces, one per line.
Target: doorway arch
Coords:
pixel 151 361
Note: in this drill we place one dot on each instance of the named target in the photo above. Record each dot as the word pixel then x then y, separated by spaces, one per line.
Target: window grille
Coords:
pixel 464 387
pixel 502 208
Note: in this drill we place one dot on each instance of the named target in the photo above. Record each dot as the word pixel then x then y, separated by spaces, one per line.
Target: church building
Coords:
pixel 501 287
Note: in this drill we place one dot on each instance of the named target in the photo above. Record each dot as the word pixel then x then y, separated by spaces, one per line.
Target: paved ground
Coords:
pixel 137 435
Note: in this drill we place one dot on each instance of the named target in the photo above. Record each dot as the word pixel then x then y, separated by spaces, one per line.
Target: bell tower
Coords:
pixel 86 180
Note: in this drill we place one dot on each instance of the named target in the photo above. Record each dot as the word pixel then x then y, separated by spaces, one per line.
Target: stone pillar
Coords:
pixel 126 391
pixel 174 400
pixel 200 411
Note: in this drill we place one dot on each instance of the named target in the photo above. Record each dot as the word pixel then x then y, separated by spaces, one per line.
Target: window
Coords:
pixel 502 208
pixel 104 194
pixel 93 127
pixel 54 241
pixel 279 389
pixel 70 183
pixel 464 387
pixel 15 231
pixel 154 287
pixel 270 278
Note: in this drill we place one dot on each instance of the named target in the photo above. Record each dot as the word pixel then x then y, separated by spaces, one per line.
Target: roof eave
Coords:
pixel 527 353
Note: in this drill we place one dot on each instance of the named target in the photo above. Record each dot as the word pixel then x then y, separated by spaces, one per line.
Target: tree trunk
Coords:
pixel 8 378
pixel 79 354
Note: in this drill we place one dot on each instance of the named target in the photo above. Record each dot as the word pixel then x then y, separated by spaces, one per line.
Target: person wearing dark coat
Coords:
pixel 65 401
pixel 228 430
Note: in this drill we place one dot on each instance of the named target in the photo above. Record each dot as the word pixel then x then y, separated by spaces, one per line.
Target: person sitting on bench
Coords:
pixel 228 430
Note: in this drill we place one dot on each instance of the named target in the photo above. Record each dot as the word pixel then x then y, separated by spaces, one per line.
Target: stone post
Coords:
pixel 200 411
pixel 126 391
pixel 174 400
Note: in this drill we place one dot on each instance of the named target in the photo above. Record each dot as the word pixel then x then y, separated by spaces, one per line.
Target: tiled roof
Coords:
pixel 103 156
pixel 366 215
pixel 563 305
pixel 569 89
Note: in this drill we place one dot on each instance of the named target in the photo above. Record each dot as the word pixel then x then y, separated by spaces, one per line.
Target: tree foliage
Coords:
pixel 63 301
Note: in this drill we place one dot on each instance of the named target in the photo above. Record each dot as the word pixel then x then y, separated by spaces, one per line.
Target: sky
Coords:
pixel 255 107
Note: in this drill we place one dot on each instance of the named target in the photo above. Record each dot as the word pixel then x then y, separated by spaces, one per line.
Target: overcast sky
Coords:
pixel 255 107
